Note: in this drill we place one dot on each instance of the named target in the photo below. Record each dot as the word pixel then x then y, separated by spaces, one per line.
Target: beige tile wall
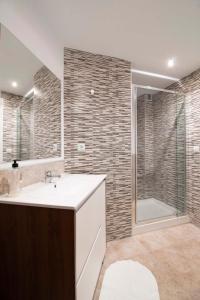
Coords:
pixel 11 102
pixel 11 179
pixel 47 115
pixel 39 120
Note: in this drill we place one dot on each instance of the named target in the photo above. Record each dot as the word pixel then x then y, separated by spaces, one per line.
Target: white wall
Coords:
pixel 23 18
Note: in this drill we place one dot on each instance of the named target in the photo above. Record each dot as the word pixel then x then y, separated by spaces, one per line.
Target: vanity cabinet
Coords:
pixel 52 253
pixel 90 243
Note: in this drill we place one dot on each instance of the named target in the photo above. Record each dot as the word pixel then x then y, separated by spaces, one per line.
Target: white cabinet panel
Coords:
pixel 89 218
pixel 88 279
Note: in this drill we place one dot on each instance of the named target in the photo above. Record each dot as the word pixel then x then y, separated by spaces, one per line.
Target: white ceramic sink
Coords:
pixel 70 191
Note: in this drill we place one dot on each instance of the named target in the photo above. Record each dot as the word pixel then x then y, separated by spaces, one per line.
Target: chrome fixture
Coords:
pixel 50 176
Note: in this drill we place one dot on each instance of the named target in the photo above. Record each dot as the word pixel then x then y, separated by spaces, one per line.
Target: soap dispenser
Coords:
pixel 15 164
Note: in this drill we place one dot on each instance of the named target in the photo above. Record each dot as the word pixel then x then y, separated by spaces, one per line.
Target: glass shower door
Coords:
pixel 181 155
pixel 25 132
pixel 160 176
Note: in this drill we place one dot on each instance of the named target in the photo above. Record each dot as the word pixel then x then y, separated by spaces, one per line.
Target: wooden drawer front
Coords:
pixel 89 219
pixel 87 282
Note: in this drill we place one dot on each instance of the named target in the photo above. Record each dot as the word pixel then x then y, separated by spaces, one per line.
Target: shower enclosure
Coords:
pixel 25 132
pixel 159 117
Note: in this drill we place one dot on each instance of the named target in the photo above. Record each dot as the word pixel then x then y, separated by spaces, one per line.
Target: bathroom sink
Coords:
pixel 69 191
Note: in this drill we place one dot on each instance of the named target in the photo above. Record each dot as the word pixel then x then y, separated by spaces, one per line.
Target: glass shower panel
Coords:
pixel 25 133
pixel 181 155
pixel 160 191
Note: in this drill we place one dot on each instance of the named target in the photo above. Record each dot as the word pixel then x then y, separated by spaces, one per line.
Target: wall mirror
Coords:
pixel 30 104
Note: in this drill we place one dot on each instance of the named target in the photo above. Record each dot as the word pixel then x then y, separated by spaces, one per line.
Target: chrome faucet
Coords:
pixel 49 176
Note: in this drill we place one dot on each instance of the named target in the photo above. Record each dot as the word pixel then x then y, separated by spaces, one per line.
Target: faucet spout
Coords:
pixel 50 176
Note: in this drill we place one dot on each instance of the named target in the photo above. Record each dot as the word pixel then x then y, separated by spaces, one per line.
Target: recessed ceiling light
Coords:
pixel 14 84
pixel 170 63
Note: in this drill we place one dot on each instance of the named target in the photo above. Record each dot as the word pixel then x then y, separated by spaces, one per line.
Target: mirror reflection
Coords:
pixel 30 104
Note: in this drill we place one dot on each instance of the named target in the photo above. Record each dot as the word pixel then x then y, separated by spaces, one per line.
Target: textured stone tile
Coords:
pixel 37 122
pixel 11 102
pixel 103 123
pixel 47 115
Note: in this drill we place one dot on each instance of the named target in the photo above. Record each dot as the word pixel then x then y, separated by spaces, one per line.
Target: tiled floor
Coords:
pixel 172 254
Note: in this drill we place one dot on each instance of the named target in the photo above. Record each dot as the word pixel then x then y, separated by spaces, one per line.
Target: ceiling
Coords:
pixel 145 32
pixel 17 64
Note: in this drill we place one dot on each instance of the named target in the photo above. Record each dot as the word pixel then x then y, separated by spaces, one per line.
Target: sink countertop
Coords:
pixel 71 191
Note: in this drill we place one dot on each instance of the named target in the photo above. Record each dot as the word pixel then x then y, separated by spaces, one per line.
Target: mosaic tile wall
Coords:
pixel 103 122
pixel 145 147
pixel 47 114
pixel 11 103
pixel 32 129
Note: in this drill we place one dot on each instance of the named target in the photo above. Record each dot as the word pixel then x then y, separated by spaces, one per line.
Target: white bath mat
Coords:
pixel 129 280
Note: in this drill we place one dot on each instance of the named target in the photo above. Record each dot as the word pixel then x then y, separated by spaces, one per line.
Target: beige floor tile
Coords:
pixel 172 254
